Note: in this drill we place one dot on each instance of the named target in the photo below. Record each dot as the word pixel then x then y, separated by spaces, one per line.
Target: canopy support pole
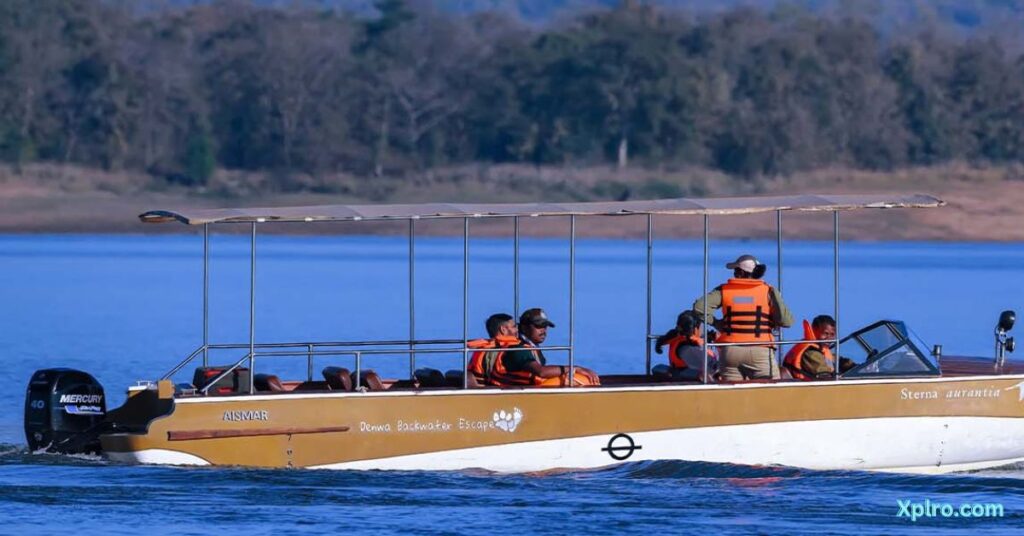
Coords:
pixel 412 298
pixel 206 295
pixel 465 303
pixel 650 277
pixel 778 280
pixel 572 298
pixel 835 283
pixel 252 310
pixel 704 293
pixel 778 248
pixel 515 266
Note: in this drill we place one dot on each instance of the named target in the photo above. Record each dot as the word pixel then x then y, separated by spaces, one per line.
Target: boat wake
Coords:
pixel 20 454
pixel 1001 478
pixel 672 469
pixel 665 470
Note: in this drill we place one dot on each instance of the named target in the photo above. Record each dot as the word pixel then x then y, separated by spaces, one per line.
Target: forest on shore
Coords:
pixel 305 95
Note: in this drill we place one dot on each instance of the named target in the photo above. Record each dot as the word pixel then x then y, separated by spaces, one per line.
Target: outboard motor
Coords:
pixel 63 411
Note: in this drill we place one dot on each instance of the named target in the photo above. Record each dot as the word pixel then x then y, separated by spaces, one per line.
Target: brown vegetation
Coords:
pixel 983 203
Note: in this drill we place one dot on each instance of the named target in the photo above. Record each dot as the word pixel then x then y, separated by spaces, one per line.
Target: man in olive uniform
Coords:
pixel 813 362
pixel 751 309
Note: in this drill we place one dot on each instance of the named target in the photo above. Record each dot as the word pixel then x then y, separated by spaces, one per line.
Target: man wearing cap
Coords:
pixel 751 309
pixel 533 331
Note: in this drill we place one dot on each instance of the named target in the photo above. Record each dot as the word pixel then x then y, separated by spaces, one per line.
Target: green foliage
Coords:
pixel 14 147
pixel 392 14
pixel 302 91
pixel 200 157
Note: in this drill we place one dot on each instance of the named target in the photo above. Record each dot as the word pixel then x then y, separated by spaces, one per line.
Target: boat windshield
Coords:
pixel 886 349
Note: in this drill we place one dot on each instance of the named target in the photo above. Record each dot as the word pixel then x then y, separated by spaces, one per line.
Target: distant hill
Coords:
pixel 964 17
pixel 1002 19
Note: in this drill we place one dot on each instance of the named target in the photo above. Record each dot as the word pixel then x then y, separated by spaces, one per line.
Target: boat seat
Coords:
pixel 428 377
pixel 662 373
pixel 338 378
pixel 267 382
pixel 453 378
pixel 236 382
pixel 398 385
pixel 368 380
pixel 665 373
pixel 311 386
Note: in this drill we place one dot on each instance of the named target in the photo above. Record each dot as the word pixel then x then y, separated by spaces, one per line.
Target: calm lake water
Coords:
pixel 127 308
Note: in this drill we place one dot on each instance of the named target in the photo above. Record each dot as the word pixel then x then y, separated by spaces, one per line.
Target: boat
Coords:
pixel 904 408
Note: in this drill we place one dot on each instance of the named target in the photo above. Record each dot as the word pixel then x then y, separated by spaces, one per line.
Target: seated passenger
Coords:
pixel 685 350
pixel 533 330
pixel 815 361
pixel 501 328
pixel 528 366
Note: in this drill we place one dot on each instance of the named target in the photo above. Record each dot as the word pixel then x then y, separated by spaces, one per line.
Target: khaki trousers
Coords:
pixel 740 363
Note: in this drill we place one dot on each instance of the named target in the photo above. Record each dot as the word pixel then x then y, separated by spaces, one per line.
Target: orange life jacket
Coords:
pixel 503 377
pixel 481 364
pixel 675 342
pixel 794 359
pixel 561 381
pixel 746 311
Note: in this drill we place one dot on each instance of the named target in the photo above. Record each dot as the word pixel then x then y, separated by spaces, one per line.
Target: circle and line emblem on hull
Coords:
pixel 621 446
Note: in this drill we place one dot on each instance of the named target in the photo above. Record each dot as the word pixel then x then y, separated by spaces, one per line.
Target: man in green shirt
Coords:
pixel 813 362
pixel 533 330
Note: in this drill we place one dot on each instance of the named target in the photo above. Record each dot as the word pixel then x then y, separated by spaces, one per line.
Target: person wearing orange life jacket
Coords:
pixel 501 328
pixel 526 364
pixel 685 351
pixel 815 361
pixel 751 309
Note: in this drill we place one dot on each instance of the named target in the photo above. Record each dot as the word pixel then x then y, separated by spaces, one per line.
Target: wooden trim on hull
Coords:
pixel 187 435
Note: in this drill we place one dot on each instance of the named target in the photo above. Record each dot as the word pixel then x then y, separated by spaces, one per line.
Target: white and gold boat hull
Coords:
pixel 912 425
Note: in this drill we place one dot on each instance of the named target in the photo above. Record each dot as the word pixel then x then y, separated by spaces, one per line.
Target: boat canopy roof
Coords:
pixel 678 206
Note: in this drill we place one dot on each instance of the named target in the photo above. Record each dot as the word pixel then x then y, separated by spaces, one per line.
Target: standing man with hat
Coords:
pixel 751 309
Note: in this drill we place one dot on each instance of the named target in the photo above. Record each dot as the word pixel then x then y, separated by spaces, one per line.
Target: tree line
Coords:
pixel 181 92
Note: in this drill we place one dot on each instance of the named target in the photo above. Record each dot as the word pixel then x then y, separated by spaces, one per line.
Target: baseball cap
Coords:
pixel 747 263
pixel 536 317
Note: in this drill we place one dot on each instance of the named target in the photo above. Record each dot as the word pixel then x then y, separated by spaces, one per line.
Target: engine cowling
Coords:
pixel 64 409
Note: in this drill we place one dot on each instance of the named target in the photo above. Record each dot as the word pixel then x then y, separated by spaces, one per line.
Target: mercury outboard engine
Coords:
pixel 63 411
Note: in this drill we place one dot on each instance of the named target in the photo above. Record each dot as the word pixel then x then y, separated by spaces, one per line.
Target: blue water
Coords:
pixel 128 308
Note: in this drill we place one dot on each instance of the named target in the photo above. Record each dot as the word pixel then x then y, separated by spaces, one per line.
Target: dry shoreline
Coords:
pixel 982 205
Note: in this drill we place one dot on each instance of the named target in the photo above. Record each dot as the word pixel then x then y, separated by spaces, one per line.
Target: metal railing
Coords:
pixel 310 347
pixel 653 337
pixel 310 350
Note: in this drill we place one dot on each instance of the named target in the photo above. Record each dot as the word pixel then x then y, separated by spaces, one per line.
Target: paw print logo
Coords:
pixel 507 420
